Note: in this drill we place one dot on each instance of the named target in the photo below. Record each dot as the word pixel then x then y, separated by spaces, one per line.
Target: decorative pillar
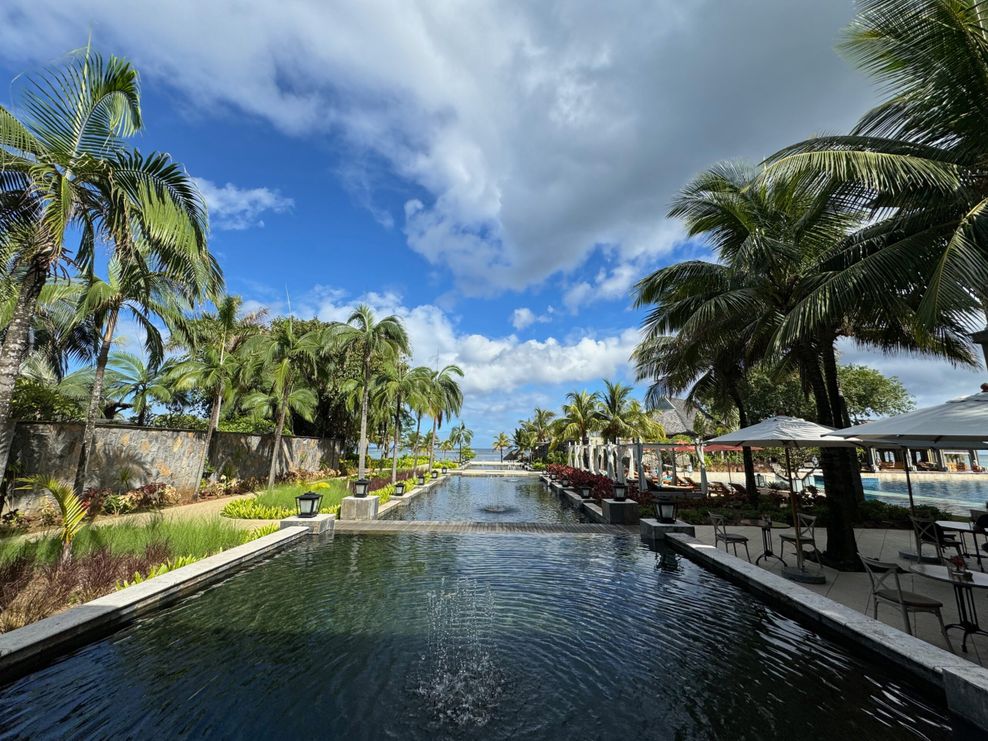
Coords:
pixel 703 467
pixel 941 464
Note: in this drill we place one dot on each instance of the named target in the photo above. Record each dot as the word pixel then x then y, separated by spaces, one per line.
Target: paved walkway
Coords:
pixel 854 589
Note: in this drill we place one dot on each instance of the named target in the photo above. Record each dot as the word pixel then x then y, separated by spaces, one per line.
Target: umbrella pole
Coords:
pixel 909 481
pixel 795 511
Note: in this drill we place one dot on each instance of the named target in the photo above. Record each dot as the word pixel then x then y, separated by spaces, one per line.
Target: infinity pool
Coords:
pixel 422 636
pixel 487 499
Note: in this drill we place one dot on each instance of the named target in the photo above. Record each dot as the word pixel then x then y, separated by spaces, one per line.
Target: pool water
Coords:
pixel 425 636
pixel 957 495
pixel 487 499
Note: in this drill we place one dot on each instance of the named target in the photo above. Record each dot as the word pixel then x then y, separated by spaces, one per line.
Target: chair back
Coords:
pixel 720 530
pixel 926 530
pixel 977 514
pixel 882 574
pixel 980 524
pixel 807 526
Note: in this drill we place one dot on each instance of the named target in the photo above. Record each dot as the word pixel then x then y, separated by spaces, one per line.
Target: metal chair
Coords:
pixel 928 533
pixel 722 536
pixel 807 534
pixel 887 588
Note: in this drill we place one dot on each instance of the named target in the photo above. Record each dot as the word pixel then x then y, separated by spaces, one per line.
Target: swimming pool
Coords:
pixel 487 499
pixel 956 494
pixel 422 636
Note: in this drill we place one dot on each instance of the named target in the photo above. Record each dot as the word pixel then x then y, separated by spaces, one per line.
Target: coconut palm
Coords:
pixel 400 387
pixel 284 359
pixel 63 161
pixel 446 446
pixel 215 340
pixel 444 399
pixel 144 295
pixel 371 341
pixel 141 384
pixel 617 416
pixel 460 436
pixel 501 443
pixel 916 162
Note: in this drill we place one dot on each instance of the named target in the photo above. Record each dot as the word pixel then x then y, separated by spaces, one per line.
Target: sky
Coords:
pixel 496 174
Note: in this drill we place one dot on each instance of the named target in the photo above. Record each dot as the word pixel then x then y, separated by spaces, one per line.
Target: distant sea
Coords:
pixel 483 454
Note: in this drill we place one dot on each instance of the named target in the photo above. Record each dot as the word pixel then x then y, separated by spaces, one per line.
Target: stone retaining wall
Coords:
pixel 127 456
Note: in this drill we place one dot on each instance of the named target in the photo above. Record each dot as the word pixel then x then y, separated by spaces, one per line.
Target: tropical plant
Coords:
pixel 371 341
pixel 140 384
pixel 444 398
pixel 501 443
pixel 461 437
pixel 400 386
pixel 63 160
pixel 69 505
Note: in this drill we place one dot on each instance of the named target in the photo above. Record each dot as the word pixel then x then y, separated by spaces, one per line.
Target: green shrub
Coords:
pixel 251 509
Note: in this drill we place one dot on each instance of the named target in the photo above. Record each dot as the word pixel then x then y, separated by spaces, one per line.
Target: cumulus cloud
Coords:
pixel 534 132
pixel 236 208
pixel 524 317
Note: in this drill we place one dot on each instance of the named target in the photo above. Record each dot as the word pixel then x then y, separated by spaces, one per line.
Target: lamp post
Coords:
pixel 620 491
pixel 665 509
pixel 360 487
pixel 399 488
pixel 421 479
pixel 308 504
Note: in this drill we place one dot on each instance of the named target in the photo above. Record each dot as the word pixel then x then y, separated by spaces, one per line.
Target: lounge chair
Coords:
pixel 739 489
pixel 722 536
pixel 886 588
pixel 717 489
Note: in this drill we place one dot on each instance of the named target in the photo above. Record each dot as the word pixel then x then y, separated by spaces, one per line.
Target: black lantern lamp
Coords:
pixel 665 509
pixel 620 491
pixel 585 491
pixel 421 479
pixel 308 504
pixel 399 488
pixel 435 473
pixel 445 470
pixel 360 487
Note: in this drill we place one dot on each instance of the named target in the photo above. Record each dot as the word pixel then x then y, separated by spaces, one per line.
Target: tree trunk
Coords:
pixel 394 455
pixel 95 403
pixel 842 419
pixel 278 429
pixel 364 401
pixel 16 344
pixel 432 445
pixel 839 481
pixel 750 483
pixel 214 423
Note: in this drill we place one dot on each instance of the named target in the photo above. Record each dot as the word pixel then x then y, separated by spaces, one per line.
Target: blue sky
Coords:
pixel 495 174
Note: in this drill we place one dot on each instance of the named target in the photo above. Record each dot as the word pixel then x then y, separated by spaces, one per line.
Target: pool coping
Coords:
pixel 30 647
pixel 964 684
pixel 395 502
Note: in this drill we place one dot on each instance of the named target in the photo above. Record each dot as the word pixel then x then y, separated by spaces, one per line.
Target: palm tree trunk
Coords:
pixel 278 429
pixel 214 423
pixel 394 454
pixel 364 401
pixel 95 403
pixel 432 445
pixel 750 483
pixel 16 344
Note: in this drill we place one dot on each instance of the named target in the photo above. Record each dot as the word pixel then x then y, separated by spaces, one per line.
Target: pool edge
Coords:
pixel 964 684
pixel 28 648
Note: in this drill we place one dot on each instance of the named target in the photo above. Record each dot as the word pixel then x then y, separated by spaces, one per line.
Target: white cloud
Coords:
pixel 524 317
pixel 577 295
pixel 535 132
pixel 236 208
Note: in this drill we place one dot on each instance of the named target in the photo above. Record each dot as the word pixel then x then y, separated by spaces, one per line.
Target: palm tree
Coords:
pixel 64 164
pixel 144 295
pixel 501 443
pixel 285 355
pixel 523 440
pixel 215 340
pixel 444 399
pixel 616 413
pixel 401 386
pixel 446 446
pixel 915 161
pixel 371 341
pixel 541 424
pixel 460 436
pixel 143 384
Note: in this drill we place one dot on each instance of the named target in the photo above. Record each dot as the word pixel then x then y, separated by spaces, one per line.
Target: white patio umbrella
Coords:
pixel 788 433
pixel 957 423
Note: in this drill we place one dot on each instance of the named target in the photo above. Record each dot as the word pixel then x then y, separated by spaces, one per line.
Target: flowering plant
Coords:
pixel 958 563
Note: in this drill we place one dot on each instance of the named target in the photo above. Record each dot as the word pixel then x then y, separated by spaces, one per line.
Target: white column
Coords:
pixel 703 467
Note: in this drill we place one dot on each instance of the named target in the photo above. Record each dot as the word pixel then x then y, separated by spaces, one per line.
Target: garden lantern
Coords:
pixel 760 482
pixel 308 504
pixel 399 488
pixel 421 479
pixel 665 509
pixel 435 473
pixel 585 491
pixel 360 487
pixel 620 491
pixel 445 470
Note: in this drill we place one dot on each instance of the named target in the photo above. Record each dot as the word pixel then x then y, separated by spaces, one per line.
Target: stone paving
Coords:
pixel 854 589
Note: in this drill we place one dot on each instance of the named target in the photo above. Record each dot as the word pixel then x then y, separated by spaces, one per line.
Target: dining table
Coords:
pixel 767 526
pixel 964 528
pixel 964 586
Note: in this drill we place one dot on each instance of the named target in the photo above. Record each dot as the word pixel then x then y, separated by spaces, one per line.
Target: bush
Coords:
pixel 250 509
pixel 180 422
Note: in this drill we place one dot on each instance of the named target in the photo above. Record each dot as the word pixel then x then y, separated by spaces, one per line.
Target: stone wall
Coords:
pixel 132 456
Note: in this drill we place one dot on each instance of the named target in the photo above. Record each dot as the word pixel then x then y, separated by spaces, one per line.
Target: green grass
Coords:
pixel 195 538
pixel 279 502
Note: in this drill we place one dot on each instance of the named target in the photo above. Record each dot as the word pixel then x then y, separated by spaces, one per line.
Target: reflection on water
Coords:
pixel 425 636
pixel 956 494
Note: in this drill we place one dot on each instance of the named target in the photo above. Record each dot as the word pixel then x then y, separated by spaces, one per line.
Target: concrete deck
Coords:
pixel 854 590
